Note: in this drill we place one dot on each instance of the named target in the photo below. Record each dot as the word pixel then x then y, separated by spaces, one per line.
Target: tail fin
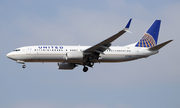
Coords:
pixel 150 38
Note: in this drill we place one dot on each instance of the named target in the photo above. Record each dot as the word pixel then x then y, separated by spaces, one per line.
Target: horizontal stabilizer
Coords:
pixel 157 47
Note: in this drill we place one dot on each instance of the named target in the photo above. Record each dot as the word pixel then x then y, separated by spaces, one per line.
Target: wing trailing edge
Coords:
pixel 102 46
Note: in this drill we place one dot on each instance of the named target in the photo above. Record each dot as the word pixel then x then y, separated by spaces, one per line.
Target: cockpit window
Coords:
pixel 17 50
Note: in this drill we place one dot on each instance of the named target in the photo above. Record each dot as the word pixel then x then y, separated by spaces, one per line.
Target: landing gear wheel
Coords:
pixel 91 64
pixel 23 66
pixel 85 69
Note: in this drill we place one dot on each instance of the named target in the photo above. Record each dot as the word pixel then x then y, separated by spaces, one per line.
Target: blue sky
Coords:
pixel 151 82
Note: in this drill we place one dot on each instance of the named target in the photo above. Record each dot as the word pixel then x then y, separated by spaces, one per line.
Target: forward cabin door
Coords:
pixel 28 53
pixel 28 50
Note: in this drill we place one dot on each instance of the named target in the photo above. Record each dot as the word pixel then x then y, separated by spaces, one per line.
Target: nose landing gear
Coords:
pixel 23 66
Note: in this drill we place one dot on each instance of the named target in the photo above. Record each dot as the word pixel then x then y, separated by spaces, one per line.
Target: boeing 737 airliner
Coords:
pixel 68 57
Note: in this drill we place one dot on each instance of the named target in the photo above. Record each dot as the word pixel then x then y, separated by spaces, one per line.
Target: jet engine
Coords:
pixel 74 56
pixel 67 66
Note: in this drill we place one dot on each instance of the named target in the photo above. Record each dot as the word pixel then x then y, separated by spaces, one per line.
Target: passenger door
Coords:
pixel 28 50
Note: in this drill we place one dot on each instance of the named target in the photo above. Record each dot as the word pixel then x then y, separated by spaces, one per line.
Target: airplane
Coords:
pixel 69 57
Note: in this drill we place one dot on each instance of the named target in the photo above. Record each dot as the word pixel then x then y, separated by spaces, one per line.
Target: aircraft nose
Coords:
pixel 9 55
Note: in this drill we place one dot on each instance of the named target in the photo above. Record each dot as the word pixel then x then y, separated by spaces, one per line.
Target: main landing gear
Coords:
pixel 90 64
pixel 85 69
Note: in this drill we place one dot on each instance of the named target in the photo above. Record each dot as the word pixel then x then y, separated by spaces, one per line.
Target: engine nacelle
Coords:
pixel 66 66
pixel 74 56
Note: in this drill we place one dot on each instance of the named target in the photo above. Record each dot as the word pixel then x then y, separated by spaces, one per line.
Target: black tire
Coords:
pixel 91 64
pixel 85 69
pixel 23 66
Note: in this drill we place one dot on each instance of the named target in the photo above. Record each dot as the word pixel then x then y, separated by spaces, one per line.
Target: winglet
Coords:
pixel 128 24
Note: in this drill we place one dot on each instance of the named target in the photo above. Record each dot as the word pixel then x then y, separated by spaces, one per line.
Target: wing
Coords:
pixel 102 46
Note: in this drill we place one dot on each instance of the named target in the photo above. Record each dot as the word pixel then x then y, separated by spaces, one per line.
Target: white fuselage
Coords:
pixel 51 53
pixel 68 57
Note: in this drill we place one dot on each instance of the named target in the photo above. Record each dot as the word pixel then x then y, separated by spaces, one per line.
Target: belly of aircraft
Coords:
pixel 62 58
pixel 117 58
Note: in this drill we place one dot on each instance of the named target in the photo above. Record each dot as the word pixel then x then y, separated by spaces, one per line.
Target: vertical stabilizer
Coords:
pixel 150 38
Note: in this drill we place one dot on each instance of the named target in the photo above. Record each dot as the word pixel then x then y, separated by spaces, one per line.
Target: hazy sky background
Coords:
pixel 153 82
